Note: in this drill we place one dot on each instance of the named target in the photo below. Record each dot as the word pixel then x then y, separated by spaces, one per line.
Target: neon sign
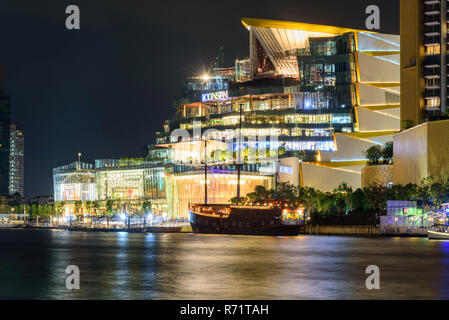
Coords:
pixel 214 96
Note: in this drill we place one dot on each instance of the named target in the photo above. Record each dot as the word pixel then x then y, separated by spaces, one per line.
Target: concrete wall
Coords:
pixel 438 150
pixel 328 179
pixel 289 170
pixel 374 69
pixel 421 152
pixel 377 121
pixel 410 155
pixel 379 174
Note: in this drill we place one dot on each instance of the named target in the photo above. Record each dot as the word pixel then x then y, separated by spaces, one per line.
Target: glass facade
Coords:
pixel 74 182
pixel 302 113
pixel 188 187
pixel 129 179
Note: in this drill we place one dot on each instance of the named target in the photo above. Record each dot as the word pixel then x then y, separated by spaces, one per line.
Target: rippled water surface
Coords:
pixel 189 266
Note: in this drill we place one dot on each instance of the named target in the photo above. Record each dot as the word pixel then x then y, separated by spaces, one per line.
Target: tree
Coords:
pixel 59 209
pixel 377 196
pixel 146 205
pixel 78 206
pixel 109 206
pixel 88 205
pixel 407 124
pixel 437 193
pixel 326 203
pixel 307 197
pixel 96 206
pixel 387 152
pixel 41 211
pixel 34 211
pixel 287 192
pixel 423 190
pixel 51 211
pixel 359 202
pixel 243 200
pixel 344 193
pixel 373 154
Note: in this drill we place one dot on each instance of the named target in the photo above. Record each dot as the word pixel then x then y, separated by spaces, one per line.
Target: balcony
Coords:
pixel 432 30
pixel 432 17
pixel 432 40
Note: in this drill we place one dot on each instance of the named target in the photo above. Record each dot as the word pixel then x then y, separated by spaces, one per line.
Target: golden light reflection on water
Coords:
pixel 189 266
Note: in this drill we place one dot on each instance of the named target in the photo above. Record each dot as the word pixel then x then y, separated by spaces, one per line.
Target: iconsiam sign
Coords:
pixel 215 96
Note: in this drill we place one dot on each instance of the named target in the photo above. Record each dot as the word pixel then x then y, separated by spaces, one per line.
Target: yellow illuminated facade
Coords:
pixel 188 188
pixel 330 101
pixel 373 77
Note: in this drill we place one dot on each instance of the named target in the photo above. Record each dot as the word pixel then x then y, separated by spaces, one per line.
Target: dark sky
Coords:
pixel 105 89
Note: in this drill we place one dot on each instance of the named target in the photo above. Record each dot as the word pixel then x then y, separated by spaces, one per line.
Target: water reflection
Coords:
pixel 188 266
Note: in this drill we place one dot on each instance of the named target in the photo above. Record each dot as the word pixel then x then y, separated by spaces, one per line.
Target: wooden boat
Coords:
pixel 273 220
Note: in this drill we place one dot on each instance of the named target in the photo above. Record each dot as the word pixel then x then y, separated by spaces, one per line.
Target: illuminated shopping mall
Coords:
pixel 316 97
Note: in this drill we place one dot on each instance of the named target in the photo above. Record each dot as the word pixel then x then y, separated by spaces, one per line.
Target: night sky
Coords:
pixel 105 89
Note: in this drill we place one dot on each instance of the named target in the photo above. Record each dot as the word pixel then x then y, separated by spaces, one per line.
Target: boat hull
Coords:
pixel 9 225
pixel 437 235
pixel 244 221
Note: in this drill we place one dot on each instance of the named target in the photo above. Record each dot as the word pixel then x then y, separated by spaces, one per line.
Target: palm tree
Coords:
pixel 96 206
pixel 308 197
pixel 344 192
pixel 387 152
pixel 78 205
pixel 373 154
pixel 146 206
pixel 88 205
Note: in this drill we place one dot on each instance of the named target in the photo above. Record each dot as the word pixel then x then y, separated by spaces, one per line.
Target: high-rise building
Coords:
pixel 424 43
pixel 16 160
pixel 420 151
pixel 5 116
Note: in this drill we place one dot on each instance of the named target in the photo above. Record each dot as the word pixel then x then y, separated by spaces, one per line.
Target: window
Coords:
pixel 433 49
pixel 432 83
pixel 432 103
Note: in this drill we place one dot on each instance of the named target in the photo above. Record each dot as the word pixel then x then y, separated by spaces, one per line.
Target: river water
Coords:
pixel 191 266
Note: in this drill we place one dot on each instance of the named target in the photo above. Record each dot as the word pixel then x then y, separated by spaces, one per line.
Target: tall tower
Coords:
pixel 5 115
pixel 424 93
pixel 16 161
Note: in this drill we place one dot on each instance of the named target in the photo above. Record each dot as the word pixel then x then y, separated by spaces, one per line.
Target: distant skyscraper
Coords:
pixel 16 161
pixel 5 114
